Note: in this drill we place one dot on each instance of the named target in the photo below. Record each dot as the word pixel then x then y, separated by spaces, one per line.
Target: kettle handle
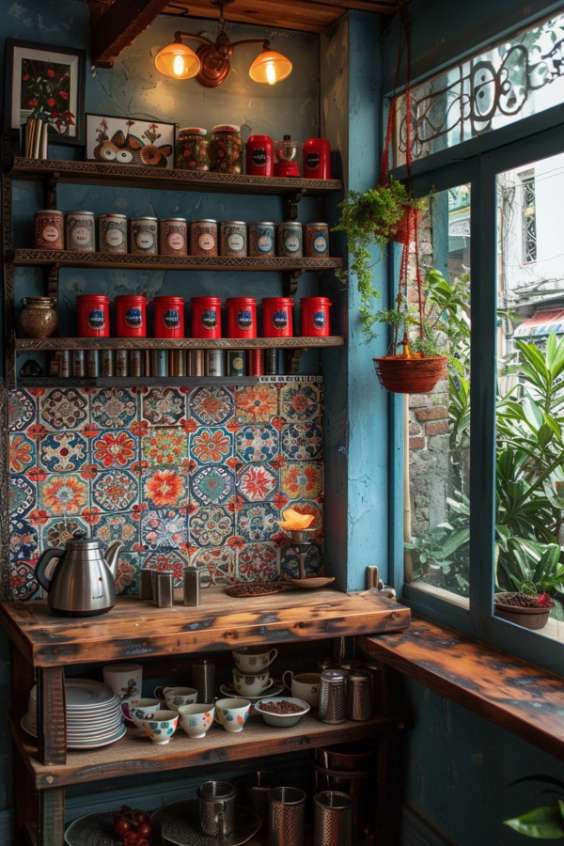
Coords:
pixel 40 570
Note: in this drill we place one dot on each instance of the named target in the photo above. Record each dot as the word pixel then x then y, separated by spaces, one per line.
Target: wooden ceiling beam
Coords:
pixel 118 26
pixel 381 6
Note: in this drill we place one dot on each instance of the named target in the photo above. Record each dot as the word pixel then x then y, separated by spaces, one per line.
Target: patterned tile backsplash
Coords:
pixel 176 474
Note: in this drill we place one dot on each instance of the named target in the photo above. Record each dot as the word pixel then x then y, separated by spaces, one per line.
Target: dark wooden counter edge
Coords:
pixel 512 693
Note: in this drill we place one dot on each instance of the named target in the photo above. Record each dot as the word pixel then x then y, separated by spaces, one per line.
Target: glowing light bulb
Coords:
pixel 177 61
pixel 178 65
pixel 270 67
pixel 270 73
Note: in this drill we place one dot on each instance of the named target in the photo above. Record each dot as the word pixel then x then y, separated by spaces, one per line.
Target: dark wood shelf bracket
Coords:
pixel 291 205
pixel 290 283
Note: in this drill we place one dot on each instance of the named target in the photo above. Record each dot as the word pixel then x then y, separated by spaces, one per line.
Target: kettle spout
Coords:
pixel 112 555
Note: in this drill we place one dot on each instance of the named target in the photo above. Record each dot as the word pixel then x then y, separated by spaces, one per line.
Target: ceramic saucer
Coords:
pixel 229 691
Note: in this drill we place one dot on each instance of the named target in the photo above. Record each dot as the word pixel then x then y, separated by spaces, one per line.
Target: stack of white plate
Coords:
pixel 94 714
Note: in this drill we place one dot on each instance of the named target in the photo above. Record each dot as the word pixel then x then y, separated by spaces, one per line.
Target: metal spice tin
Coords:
pixel 215 363
pixel 112 234
pixel 143 236
pixel 236 363
pixel 203 237
pixel 80 231
pixel 49 230
pixel 262 239
pixel 233 238
pixel 316 240
pixel 290 239
pixel 173 236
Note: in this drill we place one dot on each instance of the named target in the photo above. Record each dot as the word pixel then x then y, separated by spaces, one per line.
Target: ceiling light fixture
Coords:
pixel 211 64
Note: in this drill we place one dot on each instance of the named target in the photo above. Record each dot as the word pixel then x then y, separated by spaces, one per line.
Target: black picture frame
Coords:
pixel 13 54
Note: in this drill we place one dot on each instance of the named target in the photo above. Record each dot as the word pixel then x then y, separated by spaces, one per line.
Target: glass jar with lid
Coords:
pixel 192 149
pixel 226 149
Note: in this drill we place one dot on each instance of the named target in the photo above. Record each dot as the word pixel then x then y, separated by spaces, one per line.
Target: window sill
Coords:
pixel 516 695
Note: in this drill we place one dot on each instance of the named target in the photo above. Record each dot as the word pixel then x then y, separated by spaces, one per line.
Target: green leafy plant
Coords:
pixel 545 822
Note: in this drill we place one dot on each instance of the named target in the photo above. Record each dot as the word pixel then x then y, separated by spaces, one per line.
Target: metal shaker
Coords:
pixel 194 579
pixel 332 697
pixel 359 696
pixel 203 679
pixel 165 589
pixel 333 818
pixel 216 800
pixel 286 817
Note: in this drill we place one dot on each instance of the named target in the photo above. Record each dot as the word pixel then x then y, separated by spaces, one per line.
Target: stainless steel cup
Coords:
pixel 203 679
pixel 359 696
pixel 332 697
pixel 286 816
pixel 216 801
pixel 333 818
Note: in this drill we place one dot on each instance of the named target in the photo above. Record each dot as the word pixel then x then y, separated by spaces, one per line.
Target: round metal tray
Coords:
pixel 179 825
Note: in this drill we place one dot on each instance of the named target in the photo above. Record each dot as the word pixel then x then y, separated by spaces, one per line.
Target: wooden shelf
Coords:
pixel 135 628
pixel 68 258
pixel 297 343
pixel 99 173
pixel 136 755
pixel 147 381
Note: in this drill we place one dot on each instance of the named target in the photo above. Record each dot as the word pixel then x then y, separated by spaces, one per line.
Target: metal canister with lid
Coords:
pixel 112 233
pixel 80 231
pixel 203 237
pixel 316 240
pixel 290 239
pixel 262 239
pixel 49 230
pixel 332 697
pixel 173 236
pixel 233 238
pixel 144 236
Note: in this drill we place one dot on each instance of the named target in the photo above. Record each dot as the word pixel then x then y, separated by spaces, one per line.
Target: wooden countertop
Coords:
pixel 136 629
pixel 517 695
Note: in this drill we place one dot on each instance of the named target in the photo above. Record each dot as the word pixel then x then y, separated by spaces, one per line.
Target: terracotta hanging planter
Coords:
pixel 407 226
pixel 410 374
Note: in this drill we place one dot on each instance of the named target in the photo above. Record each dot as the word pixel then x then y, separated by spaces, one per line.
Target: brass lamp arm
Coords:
pixel 179 35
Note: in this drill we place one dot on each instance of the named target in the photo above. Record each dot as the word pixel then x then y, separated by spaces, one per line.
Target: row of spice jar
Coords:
pixel 223 152
pixel 175 236
pixel 206 318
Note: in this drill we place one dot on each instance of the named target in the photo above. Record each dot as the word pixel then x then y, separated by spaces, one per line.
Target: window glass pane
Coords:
pixel 437 443
pixel 530 404
pixel 516 78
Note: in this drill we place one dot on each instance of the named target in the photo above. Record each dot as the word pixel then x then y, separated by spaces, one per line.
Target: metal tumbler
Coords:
pixel 332 697
pixel 165 589
pixel 203 679
pixel 333 818
pixel 216 801
pixel 359 696
pixel 286 817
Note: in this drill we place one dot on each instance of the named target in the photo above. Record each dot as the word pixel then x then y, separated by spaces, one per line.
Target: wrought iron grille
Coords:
pixel 528 218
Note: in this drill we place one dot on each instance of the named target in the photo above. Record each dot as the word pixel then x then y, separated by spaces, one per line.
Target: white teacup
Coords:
pixel 254 659
pixel 125 680
pixel 232 714
pixel 176 696
pixel 196 719
pixel 303 685
pixel 251 684
pixel 141 708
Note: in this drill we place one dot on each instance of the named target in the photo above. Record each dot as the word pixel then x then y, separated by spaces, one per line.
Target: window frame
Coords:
pixel 476 162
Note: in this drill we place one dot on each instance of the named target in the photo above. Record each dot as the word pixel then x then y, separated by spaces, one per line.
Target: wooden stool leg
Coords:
pixel 51 824
pixel 51 720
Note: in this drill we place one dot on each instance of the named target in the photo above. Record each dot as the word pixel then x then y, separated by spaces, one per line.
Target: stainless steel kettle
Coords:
pixel 82 582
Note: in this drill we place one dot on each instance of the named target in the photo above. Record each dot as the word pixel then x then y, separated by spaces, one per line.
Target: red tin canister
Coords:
pixel 131 316
pixel 317 159
pixel 168 317
pixel 315 316
pixel 93 315
pixel 241 317
pixel 255 362
pixel 278 317
pixel 260 155
pixel 206 317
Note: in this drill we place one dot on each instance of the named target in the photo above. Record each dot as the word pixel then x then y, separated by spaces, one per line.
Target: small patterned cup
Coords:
pixel 232 714
pixel 140 708
pixel 196 719
pixel 177 696
pixel 161 727
pixel 253 659
pixel 253 684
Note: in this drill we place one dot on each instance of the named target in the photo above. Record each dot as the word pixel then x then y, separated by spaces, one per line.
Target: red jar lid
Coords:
pixel 319 301
pixel 280 301
pixel 93 298
pixel 132 298
pixel 241 301
pixel 259 139
pixel 207 300
pixel 322 141
pixel 169 300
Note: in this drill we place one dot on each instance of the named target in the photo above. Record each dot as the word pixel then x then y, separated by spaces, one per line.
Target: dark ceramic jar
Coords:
pixel 38 317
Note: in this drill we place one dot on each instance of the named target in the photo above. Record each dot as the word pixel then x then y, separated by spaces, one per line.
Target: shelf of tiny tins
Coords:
pixel 164 361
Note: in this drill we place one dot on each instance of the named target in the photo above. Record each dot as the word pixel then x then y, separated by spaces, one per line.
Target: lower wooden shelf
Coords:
pixel 135 755
pixel 297 342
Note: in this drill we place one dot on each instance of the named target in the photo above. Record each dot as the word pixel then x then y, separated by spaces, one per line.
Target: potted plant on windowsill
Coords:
pixel 530 604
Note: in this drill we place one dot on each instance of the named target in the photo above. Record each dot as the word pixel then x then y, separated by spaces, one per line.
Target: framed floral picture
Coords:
pixel 125 140
pixel 47 82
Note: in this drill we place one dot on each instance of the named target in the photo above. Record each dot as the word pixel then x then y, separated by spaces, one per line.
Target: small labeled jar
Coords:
pixel 233 238
pixel 38 317
pixel 112 234
pixel 315 316
pixel 316 240
pixel 203 237
pixel 93 313
pixel 173 236
pixel 80 231
pixel 143 236
pixel 168 317
pixel 241 317
pixel 226 148
pixel 262 239
pixel 290 239
pixel 287 157
pixel 260 155
pixel 206 317
pixel 192 149
pixel 316 159
pixel 278 317
pixel 49 230
pixel 131 316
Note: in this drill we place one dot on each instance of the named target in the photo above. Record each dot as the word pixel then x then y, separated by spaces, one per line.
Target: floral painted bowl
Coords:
pixel 232 714
pixel 196 719
pixel 160 727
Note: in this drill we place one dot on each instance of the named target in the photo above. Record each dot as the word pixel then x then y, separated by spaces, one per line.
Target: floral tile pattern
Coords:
pixel 175 476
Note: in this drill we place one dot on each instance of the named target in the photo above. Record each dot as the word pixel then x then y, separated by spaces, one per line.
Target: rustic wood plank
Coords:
pixel 119 26
pixel 134 629
pixel 38 344
pixel 511 692
pixel 51 715
pixel 136 755
pixel 133 176
pixel 51 824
